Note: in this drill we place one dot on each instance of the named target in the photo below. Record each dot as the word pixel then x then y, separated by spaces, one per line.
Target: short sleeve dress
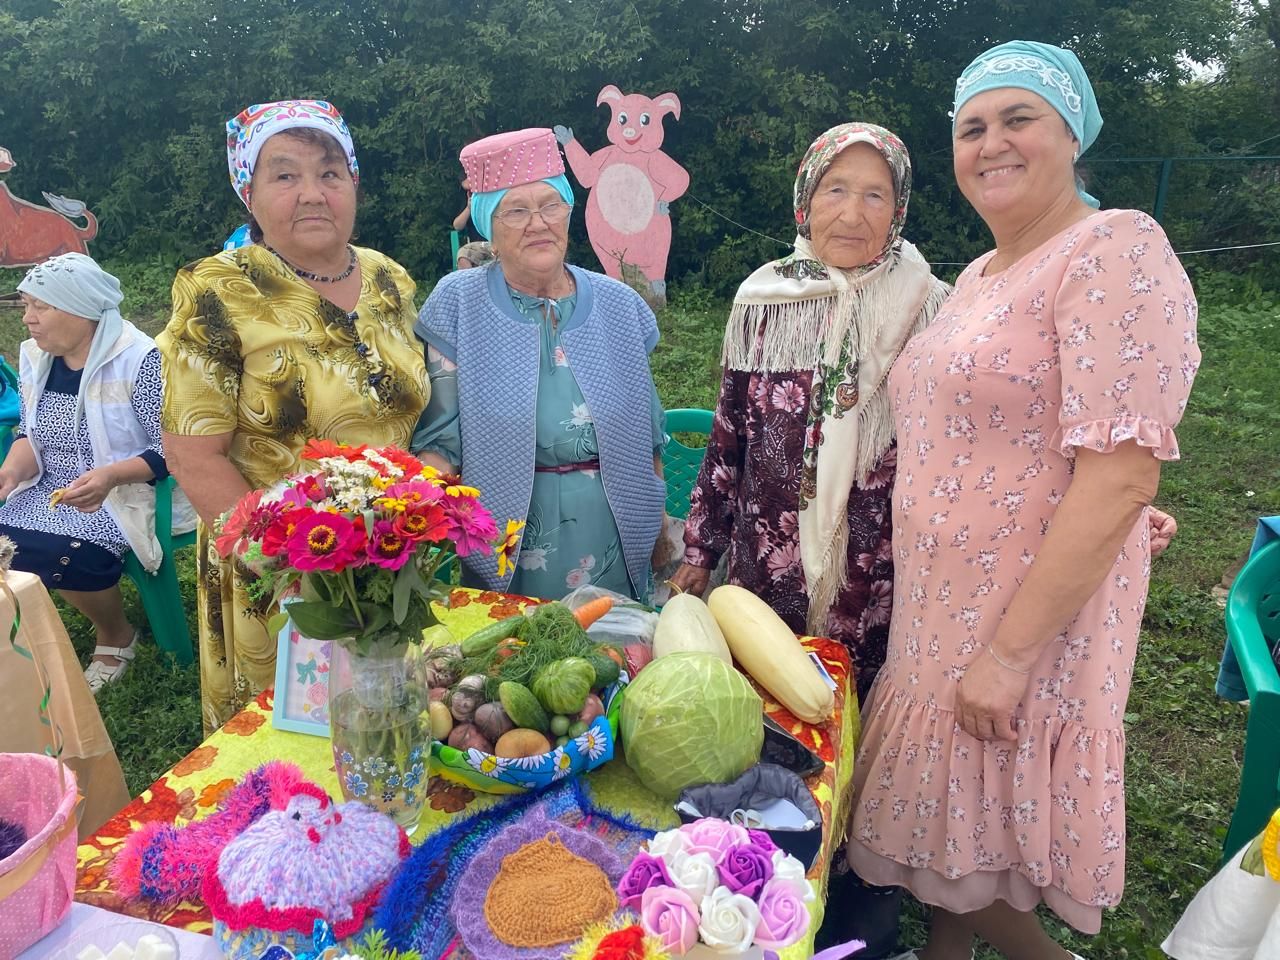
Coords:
pixel 253 351
pixel 1087 342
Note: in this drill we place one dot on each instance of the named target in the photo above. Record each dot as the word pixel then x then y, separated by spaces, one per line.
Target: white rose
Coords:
pixel 788 868
pixel 729 921
pixel 694 873
pixel 667 844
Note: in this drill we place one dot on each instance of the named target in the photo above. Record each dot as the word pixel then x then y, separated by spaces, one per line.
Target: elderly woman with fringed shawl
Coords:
pixel 799 467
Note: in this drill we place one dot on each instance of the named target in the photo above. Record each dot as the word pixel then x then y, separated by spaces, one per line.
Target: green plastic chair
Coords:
pixel 7 425
pixel 161 598
pixel 1253 626
pixel 680 464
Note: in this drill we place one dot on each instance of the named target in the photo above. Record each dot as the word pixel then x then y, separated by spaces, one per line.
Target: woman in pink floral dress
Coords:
pixel 1032 418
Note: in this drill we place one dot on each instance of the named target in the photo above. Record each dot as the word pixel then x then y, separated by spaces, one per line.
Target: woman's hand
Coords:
pixel 88 490
pixel 1163 530
pixel 691 579
pixel 988 695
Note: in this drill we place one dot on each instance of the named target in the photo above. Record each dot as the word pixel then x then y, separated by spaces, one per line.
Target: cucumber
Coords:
pixel 522 706
pixel 606 668
pixel 484 640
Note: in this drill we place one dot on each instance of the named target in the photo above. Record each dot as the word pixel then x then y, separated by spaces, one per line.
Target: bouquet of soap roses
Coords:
pixel 720 884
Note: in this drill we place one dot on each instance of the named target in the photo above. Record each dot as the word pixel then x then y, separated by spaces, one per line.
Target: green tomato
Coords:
pixel 559 725
pixel 578 728
pixel 561 741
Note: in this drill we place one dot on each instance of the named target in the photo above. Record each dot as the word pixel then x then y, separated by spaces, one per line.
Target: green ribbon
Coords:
pixel 55 732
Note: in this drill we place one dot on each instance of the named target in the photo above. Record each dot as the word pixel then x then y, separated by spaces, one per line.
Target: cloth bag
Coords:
pixel 37 881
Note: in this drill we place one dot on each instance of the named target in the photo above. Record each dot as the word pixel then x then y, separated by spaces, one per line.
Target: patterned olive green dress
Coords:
pixel 253 351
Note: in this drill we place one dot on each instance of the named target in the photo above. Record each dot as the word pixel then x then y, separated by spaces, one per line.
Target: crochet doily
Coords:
pixel 571 894
pixel 479 878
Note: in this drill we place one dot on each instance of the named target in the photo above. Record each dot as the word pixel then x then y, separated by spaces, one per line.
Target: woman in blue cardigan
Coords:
pixel 541 393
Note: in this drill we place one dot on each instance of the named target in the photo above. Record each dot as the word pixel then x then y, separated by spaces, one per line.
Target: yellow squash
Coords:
pixel 767 649
pixel 686 626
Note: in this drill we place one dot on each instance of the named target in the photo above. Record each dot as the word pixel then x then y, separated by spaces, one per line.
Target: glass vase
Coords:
pixel 379 727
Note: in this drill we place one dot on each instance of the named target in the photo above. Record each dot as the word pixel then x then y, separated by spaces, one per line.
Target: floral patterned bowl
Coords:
pixel 485 773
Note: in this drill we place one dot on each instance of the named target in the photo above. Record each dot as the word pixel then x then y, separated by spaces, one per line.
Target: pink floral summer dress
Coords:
pixel 1086 342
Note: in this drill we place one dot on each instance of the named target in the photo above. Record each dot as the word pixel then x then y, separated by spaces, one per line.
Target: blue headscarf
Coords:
pixel 1047 71
pixel 483 205
pixel 75 284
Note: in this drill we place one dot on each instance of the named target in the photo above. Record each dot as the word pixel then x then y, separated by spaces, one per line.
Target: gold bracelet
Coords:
pixel 1005 663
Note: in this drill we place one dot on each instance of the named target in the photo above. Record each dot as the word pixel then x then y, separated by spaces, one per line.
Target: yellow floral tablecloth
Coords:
pixel 197 782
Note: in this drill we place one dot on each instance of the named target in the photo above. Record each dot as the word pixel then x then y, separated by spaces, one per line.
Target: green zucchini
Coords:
pixel 485 639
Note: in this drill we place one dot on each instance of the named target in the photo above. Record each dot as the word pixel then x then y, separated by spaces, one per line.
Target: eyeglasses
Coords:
pixel 520 217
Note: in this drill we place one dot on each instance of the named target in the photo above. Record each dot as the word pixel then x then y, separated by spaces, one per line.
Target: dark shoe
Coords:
pixel 859 911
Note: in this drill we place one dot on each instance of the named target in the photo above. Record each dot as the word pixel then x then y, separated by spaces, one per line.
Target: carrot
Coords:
pixel 589 613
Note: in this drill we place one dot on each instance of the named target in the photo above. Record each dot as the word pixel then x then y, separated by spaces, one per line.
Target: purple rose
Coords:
pixel 762 840
pixel 783 916
pixel 745 869
pixel 671 916
pixel 645 871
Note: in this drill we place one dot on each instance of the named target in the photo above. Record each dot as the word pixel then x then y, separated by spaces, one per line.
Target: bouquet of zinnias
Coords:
pixel 720 884
pixel 361 535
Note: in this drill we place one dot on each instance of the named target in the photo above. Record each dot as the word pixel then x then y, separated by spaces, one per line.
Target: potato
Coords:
pixel 441 720
pixel 594 708
pixel 466 736
pixel 522 742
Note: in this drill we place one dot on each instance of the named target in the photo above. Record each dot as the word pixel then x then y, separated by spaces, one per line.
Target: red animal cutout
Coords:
pixel 31 234
pixel 631 183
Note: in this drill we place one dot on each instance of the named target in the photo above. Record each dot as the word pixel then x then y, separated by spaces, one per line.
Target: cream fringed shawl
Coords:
pixel 847 328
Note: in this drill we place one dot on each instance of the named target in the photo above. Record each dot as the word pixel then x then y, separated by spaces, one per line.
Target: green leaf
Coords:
pixel 276 622
pixel 401 591
pixel 323 621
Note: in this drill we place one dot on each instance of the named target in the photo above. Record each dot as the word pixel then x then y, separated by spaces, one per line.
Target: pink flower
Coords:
pixel 784 558
pixel 325 541
pixel 415 491
pixel 787 396
pixel 671 916
pixel 879 602
pixel 745 869
pixel 645 871
pixel 712 836
pixel 387 547
pixel 471 525
pixel 783 916
pixel 762 840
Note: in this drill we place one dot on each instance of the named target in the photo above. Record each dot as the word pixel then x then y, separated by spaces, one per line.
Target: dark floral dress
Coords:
pixel 746 503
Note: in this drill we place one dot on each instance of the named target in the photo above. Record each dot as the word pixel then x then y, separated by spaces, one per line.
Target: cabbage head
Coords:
pixel 690 718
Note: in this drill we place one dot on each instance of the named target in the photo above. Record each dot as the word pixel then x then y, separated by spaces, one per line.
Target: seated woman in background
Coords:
pixel 541 394
pixel 474 254
pixel 298 335
pixel 75 480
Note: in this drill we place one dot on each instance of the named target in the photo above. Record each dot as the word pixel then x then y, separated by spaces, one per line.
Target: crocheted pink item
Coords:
pixel 165 863
pixel 510 159
pixel 311 861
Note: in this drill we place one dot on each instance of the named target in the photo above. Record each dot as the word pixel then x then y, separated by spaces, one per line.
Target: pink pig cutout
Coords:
pixel 631 183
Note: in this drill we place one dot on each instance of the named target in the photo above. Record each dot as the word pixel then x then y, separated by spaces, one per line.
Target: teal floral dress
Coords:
pixel 570 537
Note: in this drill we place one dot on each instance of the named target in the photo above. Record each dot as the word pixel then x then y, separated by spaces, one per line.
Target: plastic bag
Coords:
pixel 629 625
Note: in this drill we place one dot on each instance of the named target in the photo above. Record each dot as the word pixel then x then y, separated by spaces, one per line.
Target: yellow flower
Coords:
pixel 381 482
pixel 460 490
pixel 429 471
pixel 508 545
pixel 1271 847
pixel 394 504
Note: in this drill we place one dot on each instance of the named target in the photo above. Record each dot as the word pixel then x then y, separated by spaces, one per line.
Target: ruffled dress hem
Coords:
pixel 973 891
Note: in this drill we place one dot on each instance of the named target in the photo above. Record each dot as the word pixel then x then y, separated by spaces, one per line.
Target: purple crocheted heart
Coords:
pixel 468 902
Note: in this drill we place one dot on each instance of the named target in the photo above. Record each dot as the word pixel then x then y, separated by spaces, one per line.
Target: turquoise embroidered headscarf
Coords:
pixel 1047 71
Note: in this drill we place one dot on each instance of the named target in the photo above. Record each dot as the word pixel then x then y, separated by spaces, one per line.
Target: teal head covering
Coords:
pixel 1047 71
pixel 484 205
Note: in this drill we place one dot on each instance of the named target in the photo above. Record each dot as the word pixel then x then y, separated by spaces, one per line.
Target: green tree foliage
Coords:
pixel 122 102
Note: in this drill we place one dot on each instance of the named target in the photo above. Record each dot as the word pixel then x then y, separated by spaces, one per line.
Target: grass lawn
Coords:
pixel 1184 746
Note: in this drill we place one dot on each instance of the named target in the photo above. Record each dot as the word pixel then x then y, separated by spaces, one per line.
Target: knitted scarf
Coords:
pixel 848 327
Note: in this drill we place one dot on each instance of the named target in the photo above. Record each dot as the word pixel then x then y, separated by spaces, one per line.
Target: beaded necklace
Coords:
pixel 308 275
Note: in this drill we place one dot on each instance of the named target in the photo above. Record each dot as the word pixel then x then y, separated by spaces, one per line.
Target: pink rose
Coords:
pixel 645 871
pixel 713 837
pixel 671 916
pixel 745 870
pixel 783 916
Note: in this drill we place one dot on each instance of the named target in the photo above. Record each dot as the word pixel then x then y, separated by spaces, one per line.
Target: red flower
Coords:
pixel 312 486
pixel 422 522
pixel 237 525
pixel 407 462
pixel 279 529
pixel 325 541
pixel 319 449
pixel 624 944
